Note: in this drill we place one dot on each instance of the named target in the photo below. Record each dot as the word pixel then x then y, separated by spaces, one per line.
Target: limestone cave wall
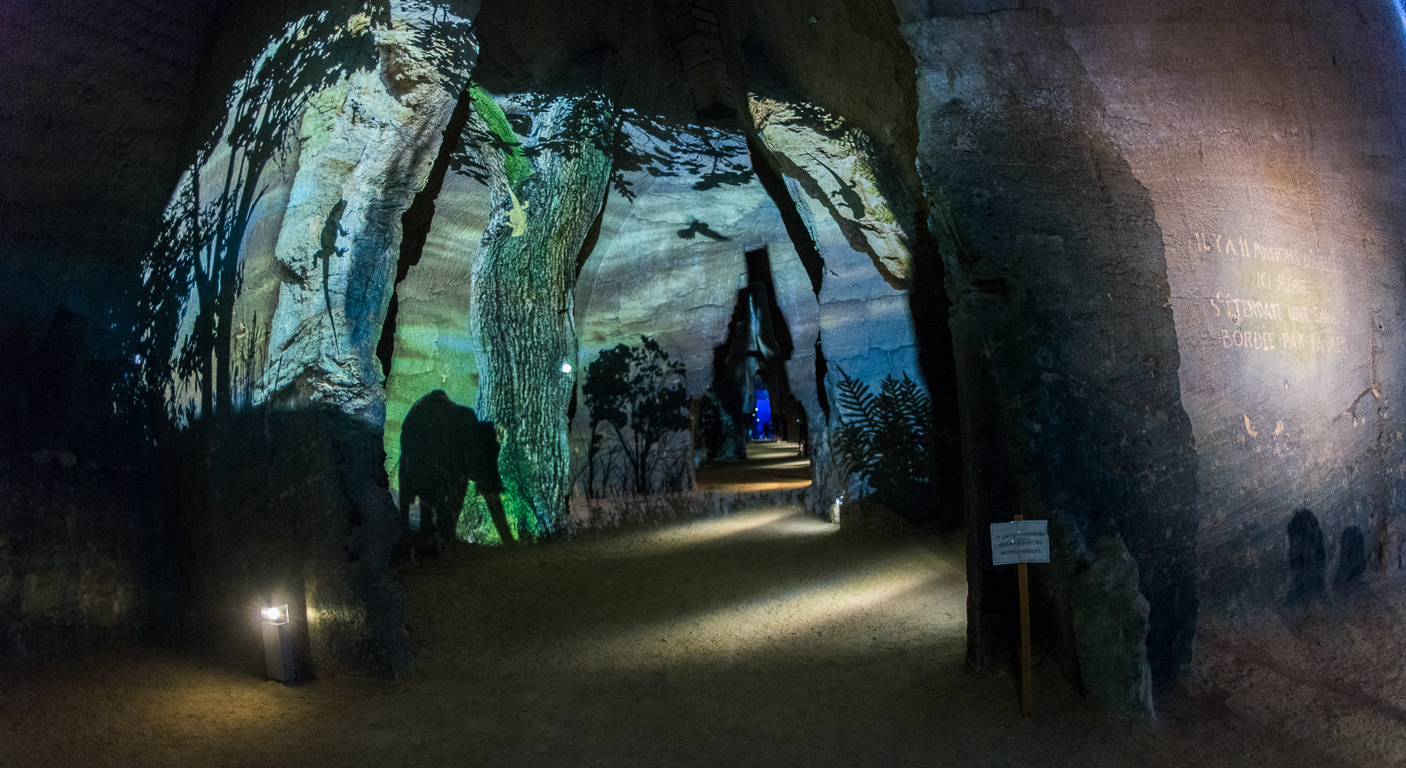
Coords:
pixel 94 98
pixel 263 296
pixel 1172 246
pixel 1145 260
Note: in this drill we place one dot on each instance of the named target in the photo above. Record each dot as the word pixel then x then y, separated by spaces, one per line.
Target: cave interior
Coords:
pixel 307 300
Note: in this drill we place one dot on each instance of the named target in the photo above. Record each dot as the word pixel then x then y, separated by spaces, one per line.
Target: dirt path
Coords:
pixel 763 639
pixel 769 466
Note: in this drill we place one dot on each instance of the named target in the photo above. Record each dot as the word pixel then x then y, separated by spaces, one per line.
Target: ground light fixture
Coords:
pixel 835 509
pixel 278 643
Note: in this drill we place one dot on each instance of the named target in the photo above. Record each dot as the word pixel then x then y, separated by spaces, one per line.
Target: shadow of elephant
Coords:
pixel 443 446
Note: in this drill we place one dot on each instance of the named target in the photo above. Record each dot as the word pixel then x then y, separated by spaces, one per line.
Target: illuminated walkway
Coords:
pixel 769 466
pixel 764 639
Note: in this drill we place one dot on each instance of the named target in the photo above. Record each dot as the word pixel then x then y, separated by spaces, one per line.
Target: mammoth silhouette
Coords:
pixel 443 446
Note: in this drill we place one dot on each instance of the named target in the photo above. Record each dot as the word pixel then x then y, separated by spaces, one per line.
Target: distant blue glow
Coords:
pixel 761 425
pixel 1401 12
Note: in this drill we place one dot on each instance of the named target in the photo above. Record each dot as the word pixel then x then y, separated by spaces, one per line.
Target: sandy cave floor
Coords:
pixel 769 466
pixel 763 639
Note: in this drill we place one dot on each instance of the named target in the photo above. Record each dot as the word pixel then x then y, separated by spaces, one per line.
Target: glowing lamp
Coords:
pixel 835 509
pixel 566 367
pixel 278 644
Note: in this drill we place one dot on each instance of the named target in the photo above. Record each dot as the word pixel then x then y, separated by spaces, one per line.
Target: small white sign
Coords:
pixel 1025 541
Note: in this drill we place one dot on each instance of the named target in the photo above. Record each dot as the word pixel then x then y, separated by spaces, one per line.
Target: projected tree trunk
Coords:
pixel 547 189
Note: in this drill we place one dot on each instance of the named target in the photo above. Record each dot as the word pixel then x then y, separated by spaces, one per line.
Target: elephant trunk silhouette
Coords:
pixel 443 446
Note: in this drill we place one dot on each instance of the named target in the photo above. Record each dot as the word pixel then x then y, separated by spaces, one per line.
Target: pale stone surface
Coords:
pixel 433 346
pixel 1263 144
pixel 273 275
pixel 370 145
pixel 669 263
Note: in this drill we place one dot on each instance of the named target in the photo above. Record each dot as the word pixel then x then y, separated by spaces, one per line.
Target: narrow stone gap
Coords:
pixel 758 341
pixel 416 222
pixel 728 358
pixel 775 185
pixel 931 308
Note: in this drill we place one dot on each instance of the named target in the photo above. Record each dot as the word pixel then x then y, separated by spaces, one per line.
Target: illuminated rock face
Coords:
pixel 865 261
pixel 1173 256
pixel 670 265
pixel 1171 244
pixel 264 295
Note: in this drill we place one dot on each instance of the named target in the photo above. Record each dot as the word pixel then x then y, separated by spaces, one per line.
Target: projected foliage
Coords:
pixel 545 161
pixel 201 352
pixel 194 270
pixel 887 439
pixel 634 141
pixel 639 420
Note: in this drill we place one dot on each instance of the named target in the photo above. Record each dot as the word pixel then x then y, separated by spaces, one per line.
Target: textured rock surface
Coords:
pixel 1283 232
pixel 1066 353
pixel 93 98
pixel 432 346
pixel 272 275
pixel 1240 164
pixel 84 556
pixel 832 179
pixel 1170 239
pixel 1109 618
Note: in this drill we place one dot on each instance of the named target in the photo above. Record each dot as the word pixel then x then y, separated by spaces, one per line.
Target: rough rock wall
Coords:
pixel 432 347
pixel 94 97
pixel 863 273
pixel 265 293
pixel 1273 153
pixel 669 264
pixel 1173 251
pixel 1067 356
pixel 848 65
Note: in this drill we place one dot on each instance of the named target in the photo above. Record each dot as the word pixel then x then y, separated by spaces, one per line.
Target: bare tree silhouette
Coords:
pixel 637 399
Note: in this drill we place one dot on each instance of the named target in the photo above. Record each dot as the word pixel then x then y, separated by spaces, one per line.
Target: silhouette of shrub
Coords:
pixel 887 439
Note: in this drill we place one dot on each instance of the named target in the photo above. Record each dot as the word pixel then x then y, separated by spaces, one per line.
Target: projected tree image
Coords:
pixel 546 191
pixel 288 145
pixel 495 238
pixel 194 270
pixel 887 440
pixel 639 420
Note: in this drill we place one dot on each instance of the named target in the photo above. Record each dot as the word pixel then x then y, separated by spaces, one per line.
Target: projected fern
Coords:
pixel 888 440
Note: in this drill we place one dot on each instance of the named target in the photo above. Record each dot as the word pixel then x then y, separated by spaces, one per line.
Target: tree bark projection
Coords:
pixel 521 316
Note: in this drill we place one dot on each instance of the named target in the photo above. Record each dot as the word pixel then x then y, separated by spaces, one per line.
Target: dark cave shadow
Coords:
pixel 1308 559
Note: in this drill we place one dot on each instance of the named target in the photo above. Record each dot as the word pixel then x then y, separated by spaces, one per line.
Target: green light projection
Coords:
pixel 434 347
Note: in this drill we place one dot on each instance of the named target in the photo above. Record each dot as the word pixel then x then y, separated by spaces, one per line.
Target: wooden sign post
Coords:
pixel 1022 542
